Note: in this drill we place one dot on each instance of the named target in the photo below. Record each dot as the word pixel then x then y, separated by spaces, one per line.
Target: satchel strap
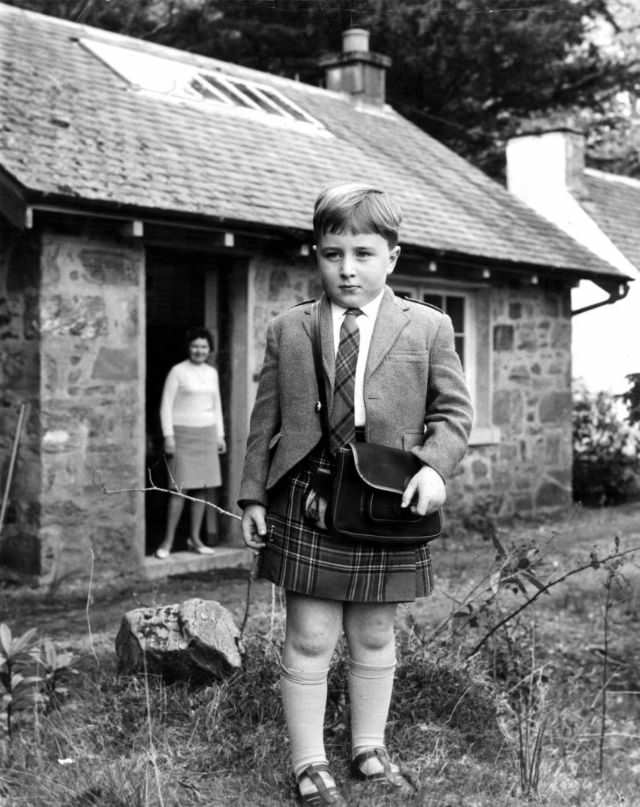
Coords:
pixel 321 406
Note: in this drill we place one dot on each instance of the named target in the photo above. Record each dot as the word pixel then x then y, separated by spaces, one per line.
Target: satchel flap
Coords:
pixel 384 468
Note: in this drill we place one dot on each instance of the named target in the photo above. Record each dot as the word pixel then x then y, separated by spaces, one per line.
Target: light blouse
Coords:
pixel 191 397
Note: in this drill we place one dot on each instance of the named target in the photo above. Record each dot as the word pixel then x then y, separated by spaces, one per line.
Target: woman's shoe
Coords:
pixel 201 549
pixel 161 553
pixel 324 795
pixel 390 774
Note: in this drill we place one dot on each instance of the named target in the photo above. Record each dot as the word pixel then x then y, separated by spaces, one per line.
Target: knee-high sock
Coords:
pixel 370 695
pixel 304 698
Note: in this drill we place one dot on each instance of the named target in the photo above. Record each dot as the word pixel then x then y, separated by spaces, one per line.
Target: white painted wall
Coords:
pixel 605 341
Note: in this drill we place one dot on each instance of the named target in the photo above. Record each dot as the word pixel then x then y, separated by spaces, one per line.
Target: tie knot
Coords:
pixel 353 312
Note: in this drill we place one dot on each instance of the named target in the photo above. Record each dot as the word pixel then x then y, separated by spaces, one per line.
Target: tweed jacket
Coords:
pixel 414 391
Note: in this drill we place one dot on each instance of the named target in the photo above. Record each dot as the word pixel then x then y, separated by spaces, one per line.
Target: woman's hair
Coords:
pixel 198 333
pixel 357 207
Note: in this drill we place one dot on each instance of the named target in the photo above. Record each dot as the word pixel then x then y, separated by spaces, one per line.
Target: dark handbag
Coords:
pixel 365 493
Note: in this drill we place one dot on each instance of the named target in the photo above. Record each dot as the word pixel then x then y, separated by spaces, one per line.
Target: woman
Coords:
pixel 193 431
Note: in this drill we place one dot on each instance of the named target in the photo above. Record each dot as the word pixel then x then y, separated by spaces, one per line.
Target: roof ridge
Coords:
pixel 610 177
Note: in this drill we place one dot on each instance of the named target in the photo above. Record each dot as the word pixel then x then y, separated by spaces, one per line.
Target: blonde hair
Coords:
pixel 357 207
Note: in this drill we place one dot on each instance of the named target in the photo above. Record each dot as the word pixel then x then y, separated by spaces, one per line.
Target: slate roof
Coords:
pixel 74 130
pixel 613 202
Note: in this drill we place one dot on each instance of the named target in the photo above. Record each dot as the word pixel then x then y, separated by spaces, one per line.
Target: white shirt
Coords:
pixel 365 321
pixel 191 397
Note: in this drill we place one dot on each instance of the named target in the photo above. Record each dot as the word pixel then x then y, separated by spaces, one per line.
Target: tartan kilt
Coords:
pixel 304 559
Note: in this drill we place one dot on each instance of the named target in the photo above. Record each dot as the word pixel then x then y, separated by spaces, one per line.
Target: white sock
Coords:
pixel 304 699
pixel 370 690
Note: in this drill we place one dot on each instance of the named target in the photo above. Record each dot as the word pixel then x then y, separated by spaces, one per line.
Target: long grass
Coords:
pixel 457 724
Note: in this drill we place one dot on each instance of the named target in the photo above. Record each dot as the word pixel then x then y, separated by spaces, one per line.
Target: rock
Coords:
pixel 194 640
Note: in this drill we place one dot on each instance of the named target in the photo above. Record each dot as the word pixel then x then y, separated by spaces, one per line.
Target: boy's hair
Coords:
pixel 357 207
pixel 198 333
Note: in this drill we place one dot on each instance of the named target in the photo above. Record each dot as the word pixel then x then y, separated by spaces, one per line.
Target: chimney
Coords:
pixel 540 162
pixel 356 71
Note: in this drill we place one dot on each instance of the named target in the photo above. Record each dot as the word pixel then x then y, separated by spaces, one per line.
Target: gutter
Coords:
pixel 620 292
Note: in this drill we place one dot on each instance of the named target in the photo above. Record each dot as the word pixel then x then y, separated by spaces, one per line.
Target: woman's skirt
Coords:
pixel 196 463
pixel 304 559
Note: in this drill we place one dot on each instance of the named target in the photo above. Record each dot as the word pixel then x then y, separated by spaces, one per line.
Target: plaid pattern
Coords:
pixel 301 558
pixel 342 427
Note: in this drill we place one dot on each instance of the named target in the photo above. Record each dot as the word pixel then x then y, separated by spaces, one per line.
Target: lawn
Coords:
pixel 546 711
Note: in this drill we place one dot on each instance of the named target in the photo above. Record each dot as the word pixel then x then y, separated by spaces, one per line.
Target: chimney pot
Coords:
pixel 355 40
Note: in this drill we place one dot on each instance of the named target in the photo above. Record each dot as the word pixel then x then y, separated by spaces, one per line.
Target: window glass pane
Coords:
pixel 255 96
pixel 222 88
pixel 460 348
pixel 434 299
pixel 455 309
pixel 283 104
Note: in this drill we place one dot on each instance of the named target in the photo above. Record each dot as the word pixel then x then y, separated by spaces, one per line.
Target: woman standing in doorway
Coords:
pixel 193 431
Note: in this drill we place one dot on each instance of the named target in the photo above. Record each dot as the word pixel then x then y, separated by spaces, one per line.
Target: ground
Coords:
pixel 456 722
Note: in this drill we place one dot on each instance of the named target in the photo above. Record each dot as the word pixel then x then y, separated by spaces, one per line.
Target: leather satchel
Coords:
pixel 365 493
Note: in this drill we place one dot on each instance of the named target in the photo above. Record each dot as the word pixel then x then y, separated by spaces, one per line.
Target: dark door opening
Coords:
pixel 181 293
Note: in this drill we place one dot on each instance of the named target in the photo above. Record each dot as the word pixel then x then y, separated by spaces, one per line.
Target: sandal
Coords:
pixel 323 794
pixel 390 773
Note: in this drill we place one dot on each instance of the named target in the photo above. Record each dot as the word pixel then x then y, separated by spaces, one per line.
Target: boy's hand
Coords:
pixel 425 492
pixel 169 446
pixel 254 525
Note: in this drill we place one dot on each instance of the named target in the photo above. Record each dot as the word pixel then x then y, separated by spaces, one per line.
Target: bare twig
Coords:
pixel 178 492
pixel 22 416
pixel 88 606
pixel 605 671
pixel 593 563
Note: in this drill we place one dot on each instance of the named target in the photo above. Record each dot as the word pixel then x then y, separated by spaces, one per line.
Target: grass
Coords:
pixel 118 741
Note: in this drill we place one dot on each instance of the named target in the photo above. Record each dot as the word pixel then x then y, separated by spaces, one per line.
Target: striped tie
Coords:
pixel 343 429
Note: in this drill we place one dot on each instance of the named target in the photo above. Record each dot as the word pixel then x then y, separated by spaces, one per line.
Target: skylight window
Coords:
pixel 176 79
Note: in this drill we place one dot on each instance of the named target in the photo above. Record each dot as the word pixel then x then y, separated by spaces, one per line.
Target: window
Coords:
pixel 469 313
pixel 188 82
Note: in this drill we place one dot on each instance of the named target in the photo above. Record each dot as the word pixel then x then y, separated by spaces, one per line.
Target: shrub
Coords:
pixel 631 398
pixel 606 466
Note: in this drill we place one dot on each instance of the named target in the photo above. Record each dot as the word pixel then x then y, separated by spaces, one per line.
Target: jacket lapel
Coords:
pixel 390 322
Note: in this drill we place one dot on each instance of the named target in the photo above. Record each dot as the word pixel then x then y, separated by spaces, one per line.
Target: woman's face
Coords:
pixel 199 351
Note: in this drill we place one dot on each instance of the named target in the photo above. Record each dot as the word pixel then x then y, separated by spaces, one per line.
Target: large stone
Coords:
pixel 195 640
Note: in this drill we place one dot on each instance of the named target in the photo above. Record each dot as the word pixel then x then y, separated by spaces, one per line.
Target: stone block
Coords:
pixel 115 364
pixel 503 337
pixel 84 317
pixel 552 495
pixel 508 409
pixel 195 640
pixel 111 266
pixel 555 407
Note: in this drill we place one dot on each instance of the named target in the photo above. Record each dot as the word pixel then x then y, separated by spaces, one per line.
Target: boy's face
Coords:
pixel 354 266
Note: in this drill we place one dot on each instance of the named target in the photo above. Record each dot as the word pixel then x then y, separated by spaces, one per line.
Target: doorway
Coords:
pixel 182 292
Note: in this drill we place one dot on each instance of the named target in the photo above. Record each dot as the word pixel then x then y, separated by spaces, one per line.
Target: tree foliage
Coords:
pixel 469 72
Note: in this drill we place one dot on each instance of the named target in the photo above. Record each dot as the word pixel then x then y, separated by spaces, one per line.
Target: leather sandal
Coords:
pixel 390 773
pixel 323 795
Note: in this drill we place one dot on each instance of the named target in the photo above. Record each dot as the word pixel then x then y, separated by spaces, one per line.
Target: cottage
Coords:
pixel 146 189
pixel 547 170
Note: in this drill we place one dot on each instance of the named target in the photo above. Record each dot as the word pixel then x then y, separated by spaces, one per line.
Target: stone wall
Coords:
pixel 92 406
pixel 530 468
pixel 73 345
pixel 19 385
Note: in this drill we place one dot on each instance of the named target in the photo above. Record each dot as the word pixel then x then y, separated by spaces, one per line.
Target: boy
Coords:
pixel 406 390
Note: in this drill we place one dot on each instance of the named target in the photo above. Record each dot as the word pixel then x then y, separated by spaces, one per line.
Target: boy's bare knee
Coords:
pixel 308 645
